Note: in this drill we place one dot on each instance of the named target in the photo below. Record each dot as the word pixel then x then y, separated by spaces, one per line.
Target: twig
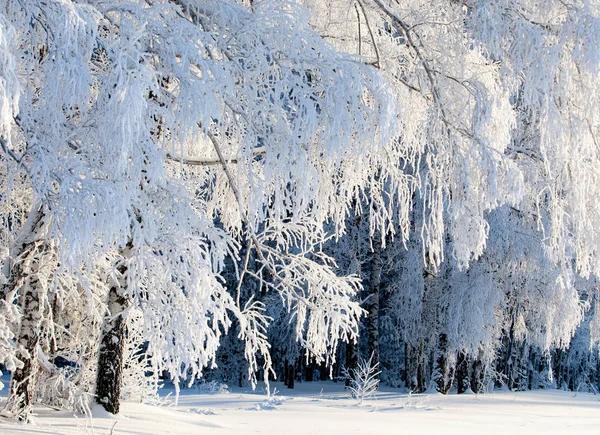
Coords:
pixel 257 152
pixel 13 155
pixel 111 432
pixel 359 31
pixel 362 7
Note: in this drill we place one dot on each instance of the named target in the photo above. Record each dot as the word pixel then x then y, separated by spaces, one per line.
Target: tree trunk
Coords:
pixel 291 375
pixel 414 367
pixel 407 373
pixel 373 305
pixel 33 289
pixel 299 363
pixel 444 370
pixel 323 371
pixel 462 373
pixel 112 345
pixel 477 377
pixel 29 277
pixel 351 359
pixel 421 368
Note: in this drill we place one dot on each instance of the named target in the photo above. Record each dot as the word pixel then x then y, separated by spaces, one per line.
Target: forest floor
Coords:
pixel 326 408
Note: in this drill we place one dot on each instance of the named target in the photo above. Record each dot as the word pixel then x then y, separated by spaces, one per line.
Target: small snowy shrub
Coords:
pixel 211 387
pixel 364 380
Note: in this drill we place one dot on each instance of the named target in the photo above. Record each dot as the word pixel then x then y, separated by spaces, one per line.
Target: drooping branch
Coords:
pixel 411 42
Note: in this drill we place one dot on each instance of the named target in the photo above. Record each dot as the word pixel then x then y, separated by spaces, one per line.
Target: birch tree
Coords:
pixel 138 126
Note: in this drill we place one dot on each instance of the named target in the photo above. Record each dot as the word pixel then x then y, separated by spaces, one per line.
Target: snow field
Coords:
pixel 325 408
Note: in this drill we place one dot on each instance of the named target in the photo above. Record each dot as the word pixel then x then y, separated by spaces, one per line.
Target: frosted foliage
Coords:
pixel 9 83
pixel 70 332
pixel 138 384
pixel 455 118
pixel 162 133
pixel 407 293
pixel 9 317
pixel 595 324
pixel 547 314
pixel 318 300
pixel 498 104
pixel 318 128
pixel 561 101
pixel 182 302
pixel 161 136
pixel 56 135
pixel 472 302
pixel 542 300
pixel 364 380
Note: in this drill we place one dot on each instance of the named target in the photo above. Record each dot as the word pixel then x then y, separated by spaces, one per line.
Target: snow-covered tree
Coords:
pixel 161 160
pixel 141 125
pixel 500 105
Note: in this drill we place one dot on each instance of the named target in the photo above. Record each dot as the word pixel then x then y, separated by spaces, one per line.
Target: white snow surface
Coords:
pixel 325 408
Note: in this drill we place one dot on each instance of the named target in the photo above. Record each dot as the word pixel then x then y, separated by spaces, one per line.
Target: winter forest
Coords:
pixel 271 192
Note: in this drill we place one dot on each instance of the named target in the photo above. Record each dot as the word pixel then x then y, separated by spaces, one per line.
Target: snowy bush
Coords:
pixel 364 379
pixel 211 387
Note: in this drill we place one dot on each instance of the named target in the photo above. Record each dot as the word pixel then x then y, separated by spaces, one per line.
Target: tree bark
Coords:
pixel 323 372
pixel 421 368
pixel 33 290
pixel 478 374
pixel 291 375
pixel 29 278
pixel 373 305
pixel 444 370
pixel 462 373
pixel 351 359
pixel 408 367
pixel 112 345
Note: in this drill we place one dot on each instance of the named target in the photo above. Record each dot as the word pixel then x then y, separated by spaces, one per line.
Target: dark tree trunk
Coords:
pixel 444 370
pixel 373 303
pixel 351 359
pixel 414 369
pixel 323 371
pixel 518 374
pixel 421 368
pixel 291 375
pixel 112 345
pixel 309 370
pixel 462 373
pixel 299 363
pixel 557 368
pixel 478 375
pixel 407 373
pixel 508 362
pixel 533 370
pixel 598 373
pixel 427 335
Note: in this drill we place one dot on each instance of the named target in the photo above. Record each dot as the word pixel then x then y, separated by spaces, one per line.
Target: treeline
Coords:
pixel 501 323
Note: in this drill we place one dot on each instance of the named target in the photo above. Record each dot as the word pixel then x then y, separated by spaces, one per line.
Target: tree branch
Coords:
pixel 256 152
pixel 359 31
pixel 18 159
pixel 416 49
pixel 362 8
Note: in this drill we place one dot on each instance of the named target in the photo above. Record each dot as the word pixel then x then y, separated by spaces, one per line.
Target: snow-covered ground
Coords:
pixel 325 408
